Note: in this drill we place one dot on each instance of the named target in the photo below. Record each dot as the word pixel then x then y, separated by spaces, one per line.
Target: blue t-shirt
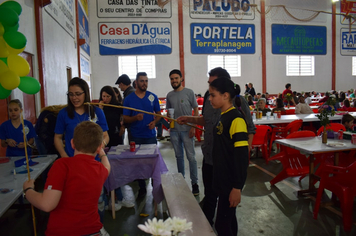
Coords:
pixel 149 103
pixel 8 131
pixel 66 125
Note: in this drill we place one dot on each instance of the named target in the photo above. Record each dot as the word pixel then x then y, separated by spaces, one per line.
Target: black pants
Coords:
pixel 226 222
pixel 210 198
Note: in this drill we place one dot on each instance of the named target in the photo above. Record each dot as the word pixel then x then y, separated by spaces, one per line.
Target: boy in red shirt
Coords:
pixel 74 185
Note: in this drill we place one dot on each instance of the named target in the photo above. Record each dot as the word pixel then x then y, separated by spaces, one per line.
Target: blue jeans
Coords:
pixel 179 139
pixel 159 124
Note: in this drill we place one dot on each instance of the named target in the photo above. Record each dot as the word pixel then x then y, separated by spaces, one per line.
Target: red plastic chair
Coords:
pixel 260 140
pixel 294 163
pixel 340 181
pixel 290 112
pixel 333 126
pixel 282 132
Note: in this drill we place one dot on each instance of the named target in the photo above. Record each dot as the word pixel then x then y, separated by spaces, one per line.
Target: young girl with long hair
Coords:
pixel 113 115
pixel 230 154
pixel 11 132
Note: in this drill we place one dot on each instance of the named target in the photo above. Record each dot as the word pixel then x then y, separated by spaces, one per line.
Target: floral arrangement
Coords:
pixel 325 111
pixel 289 97
pixel 171 226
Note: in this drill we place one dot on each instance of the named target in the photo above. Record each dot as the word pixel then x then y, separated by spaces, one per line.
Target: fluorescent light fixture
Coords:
pixel 335 0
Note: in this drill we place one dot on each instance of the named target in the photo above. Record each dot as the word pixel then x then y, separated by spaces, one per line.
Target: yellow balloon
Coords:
pixel 13 50
pixel 3 67
pixel 2 30
pixel 9 80
pixel 4 52
pixel 18 65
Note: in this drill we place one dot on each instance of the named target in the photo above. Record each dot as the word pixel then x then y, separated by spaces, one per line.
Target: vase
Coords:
pixel 324 137
pixel 288 105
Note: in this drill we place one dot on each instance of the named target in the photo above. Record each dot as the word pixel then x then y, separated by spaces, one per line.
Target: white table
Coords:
pixel 8 180
pixel 289 118
pixel 310 147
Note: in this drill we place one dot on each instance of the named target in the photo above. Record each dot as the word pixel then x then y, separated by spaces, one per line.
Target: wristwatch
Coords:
pixel 24 192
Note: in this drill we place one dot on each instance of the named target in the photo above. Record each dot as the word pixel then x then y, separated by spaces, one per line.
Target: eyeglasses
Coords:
pixel 74 94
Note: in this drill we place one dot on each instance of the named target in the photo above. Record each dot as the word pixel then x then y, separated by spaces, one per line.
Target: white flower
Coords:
pixel 179 225
pixel 155 227
pixel 172 226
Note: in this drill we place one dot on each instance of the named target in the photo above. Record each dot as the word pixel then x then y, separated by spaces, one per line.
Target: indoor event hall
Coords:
pixel 178 117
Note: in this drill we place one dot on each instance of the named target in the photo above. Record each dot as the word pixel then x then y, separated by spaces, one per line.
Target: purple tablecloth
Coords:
pixel 127 167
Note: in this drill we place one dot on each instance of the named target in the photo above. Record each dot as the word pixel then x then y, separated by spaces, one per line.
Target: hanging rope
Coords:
pixel 28 172
pixel 315 13
pixel 142 111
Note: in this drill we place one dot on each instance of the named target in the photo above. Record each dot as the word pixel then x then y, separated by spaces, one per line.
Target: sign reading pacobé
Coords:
pixel 135 38
pixel 222 38
pixel 221 9
pixel 298 39
pixel 134 8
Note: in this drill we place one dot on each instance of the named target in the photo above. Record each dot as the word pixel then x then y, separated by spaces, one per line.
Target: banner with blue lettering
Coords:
pixel 221 9
pixel 348 42
pixel 298 39
pixel 135 38
pixel 222 38
pixel 83 29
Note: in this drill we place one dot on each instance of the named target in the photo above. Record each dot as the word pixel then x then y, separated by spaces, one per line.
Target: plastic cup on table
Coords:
pixel 275 116
pixel 268 114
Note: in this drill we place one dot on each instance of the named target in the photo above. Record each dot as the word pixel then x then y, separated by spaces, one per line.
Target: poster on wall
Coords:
pixel 348 42
pixel 347 7
pixel 134 8
pixel 63 12
pixel 85 69
pixel 222 38
pixel 83 29
pixel 298 39
pixel 135 38
pixel 85 6
pixel 221 9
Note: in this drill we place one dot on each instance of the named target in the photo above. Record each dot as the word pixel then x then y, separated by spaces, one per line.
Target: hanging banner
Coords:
pixel 221 9
pixel 135 38
pixel 347 7
pixel 63 11
pixel 83 29
pixel 348 42
pixel 298 39
pixel 134 8
pixel 222 38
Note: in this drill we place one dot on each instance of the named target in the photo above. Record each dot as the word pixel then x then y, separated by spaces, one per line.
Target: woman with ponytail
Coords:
pixel 230 153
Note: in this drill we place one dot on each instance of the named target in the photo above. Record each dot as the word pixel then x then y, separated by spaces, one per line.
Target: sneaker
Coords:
pixel 126 203
pixel 160 137
pixel 195 190
pixel 117 206
pixel 103 232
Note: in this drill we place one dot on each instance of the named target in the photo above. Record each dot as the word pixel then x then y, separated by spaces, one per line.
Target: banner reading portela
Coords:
pixel 134 8
pixel 222 38
pixel 298 39
pixel 135 38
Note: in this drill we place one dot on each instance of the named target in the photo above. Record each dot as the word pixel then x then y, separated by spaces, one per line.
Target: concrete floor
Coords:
pixel 264 210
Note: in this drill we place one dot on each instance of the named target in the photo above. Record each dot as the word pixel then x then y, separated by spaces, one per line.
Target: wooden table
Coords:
pixel 312 146
pixel 128 166
pixel 8 180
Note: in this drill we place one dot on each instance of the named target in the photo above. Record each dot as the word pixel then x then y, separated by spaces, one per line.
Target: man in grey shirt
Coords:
pixel 183 101
pixel 209 120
